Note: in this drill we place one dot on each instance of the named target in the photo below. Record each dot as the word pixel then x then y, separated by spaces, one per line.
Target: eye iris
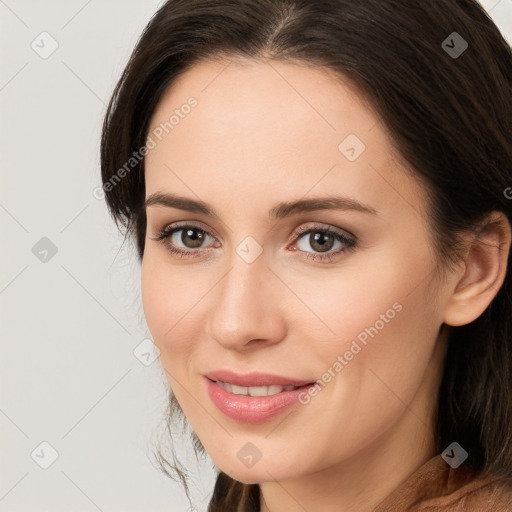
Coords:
pixel 318 241
pixel 197 238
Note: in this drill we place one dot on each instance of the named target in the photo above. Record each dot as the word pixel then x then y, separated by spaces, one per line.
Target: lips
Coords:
pixel 254 397
pixel 255 379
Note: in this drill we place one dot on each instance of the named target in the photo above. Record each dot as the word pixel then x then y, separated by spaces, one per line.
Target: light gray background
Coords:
pixel 70 325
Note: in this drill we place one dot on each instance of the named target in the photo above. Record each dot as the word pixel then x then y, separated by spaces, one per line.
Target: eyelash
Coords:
pixel 167 232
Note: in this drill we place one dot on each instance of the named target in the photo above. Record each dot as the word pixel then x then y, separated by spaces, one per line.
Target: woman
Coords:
pixel 320 194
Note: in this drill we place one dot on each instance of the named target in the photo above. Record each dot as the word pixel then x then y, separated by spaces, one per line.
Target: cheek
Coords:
pixel 168 297
pixel 378 292
pixel 380 322
pixel 385 328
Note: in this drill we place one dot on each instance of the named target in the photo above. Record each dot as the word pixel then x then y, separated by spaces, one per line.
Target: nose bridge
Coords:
pixel 244 301
pixel 244 281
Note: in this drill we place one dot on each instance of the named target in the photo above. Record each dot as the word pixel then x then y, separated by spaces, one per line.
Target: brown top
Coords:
pixel 437 487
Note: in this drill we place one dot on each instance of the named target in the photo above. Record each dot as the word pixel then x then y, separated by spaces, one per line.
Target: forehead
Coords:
pixel 263 128
pixel 291 100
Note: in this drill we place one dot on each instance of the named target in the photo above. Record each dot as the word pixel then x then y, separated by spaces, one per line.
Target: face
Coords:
pixel 246 293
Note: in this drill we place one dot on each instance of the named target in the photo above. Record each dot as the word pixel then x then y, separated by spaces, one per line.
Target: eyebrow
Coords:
pixel 280 211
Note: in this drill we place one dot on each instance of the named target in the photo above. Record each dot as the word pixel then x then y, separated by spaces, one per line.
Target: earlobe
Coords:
pixel 485 268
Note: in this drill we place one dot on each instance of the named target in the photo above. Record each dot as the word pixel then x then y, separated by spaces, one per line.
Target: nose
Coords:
pixel 248 307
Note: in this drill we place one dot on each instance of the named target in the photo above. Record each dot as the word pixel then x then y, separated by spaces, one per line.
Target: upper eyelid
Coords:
pixel 177 226
pixel 328 227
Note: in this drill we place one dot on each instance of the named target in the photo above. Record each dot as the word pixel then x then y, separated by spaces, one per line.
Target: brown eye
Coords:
pixel 185 240
pixel 325 243
pixel 320 241
pixel 192 238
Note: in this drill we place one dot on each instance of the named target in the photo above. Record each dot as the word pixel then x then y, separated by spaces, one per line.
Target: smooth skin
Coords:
pixel 266 132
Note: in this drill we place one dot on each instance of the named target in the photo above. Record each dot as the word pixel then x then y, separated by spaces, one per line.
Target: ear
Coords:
pixel 485 268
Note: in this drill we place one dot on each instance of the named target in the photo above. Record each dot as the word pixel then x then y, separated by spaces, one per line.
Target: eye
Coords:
pixel 188 240
pixel 192 237
pixel 323 241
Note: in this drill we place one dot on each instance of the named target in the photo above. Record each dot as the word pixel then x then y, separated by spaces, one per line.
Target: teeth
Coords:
pixel 238 390
pixel 263 390
pixel 254 390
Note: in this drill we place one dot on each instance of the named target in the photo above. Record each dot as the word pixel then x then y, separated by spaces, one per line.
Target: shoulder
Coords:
pixel 437 487
pixel 478 495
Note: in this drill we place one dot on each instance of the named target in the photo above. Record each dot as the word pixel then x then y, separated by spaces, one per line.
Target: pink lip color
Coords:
pixel 255 379
pixel 253 409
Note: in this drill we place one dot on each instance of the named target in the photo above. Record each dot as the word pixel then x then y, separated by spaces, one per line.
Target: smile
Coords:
pixel 255 390
pixel 254 398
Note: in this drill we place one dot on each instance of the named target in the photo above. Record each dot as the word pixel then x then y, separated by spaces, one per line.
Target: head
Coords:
pixel 393 295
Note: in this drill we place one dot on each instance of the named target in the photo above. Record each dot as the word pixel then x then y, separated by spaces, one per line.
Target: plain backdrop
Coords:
pixel 81 399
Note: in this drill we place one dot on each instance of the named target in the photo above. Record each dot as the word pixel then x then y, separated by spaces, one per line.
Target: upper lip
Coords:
pixel 254 379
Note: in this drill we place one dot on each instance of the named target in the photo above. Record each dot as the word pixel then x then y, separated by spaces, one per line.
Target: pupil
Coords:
pixel 319 239
pixel 196 238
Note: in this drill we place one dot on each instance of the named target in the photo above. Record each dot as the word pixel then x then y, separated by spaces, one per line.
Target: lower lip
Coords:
pixel 252 409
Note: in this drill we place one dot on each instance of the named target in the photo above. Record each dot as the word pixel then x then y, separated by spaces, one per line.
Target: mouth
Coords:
pixel 254 398
pixel 273 389
pixel 255 380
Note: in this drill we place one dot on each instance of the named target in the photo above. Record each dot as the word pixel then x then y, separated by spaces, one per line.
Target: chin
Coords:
pixel 268 468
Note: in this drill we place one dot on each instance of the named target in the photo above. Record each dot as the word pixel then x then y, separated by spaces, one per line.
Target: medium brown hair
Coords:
pixel 450 119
